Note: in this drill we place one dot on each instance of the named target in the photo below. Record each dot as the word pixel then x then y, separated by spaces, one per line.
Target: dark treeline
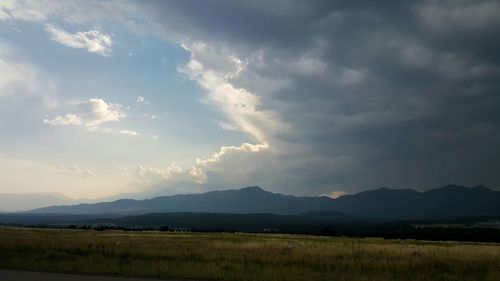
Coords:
pixel 394 230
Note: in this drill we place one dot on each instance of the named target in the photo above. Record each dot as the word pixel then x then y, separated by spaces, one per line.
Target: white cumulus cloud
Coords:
pixel 197 175
pixel 141 100
pixel 91 114
pixel 93 40
pixel 129 133
pixel 245 147
pixel 76 171
pixel 152 175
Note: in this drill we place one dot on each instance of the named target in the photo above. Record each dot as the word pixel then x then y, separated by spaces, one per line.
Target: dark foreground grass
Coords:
pixel 245 256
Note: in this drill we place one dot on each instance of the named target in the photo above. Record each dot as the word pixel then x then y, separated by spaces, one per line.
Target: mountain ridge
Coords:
pixel 450 201
pixel 219 201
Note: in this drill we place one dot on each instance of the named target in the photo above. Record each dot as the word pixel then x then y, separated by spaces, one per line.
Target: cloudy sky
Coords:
pixel 103 98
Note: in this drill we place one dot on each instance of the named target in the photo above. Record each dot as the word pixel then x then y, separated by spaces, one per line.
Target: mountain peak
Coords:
pixel 449 187
pixel 254 188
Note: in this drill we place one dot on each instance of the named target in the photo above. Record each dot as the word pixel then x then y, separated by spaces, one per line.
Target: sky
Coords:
pixel 143 98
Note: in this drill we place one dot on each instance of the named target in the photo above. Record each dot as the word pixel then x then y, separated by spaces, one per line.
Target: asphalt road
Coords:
pixel 16 275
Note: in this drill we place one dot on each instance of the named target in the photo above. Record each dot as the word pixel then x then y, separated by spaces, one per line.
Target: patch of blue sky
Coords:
pixel 139 65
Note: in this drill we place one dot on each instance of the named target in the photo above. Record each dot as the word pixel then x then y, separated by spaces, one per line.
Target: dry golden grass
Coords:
pixel 246 256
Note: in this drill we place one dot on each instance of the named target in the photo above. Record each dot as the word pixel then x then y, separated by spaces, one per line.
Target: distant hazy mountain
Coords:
pixel 21 202
pixel 446 202
pixel 246 200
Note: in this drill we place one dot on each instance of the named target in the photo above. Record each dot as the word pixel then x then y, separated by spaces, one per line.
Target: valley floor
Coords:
pixel 244 257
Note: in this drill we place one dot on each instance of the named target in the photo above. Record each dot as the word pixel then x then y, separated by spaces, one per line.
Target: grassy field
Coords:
pixel 245 256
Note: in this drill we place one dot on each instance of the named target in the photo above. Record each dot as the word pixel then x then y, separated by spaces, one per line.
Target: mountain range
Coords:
pixel 451 201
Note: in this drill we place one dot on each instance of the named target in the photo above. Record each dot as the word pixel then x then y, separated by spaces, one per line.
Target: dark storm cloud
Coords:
pixel 379 93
